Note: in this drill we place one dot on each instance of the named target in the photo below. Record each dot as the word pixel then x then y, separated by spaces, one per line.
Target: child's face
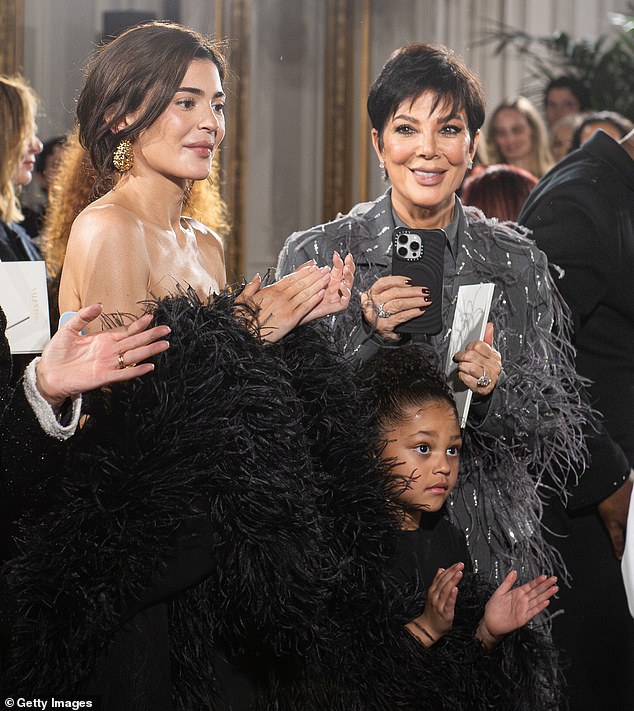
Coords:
pixel 425 446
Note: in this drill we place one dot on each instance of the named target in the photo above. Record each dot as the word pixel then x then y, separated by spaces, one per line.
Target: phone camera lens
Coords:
pixel 403 239
pixel 402 252
pixel 414 246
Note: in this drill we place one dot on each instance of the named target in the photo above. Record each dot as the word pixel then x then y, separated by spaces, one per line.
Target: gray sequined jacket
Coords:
pixel 529 432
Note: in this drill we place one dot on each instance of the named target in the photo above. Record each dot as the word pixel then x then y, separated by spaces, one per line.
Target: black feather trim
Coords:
pixel 257 459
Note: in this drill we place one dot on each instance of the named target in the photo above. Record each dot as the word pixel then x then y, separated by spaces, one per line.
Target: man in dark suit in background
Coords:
pixel 582 215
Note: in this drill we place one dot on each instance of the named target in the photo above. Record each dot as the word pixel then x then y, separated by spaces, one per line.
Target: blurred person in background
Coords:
pixel 562 134
pixel 516 134
pixel 19 147
pixel 498 190
pixel 46 166
pixel 564 96
pixel 613 123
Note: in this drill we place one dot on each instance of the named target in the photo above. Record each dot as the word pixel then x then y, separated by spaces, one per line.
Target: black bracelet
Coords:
pixel 424 631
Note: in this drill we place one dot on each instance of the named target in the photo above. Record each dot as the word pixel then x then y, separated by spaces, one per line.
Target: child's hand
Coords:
pixel 437 617
pixel 509 609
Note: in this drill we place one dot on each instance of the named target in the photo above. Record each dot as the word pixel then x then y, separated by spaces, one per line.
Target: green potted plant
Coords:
pixel 605 65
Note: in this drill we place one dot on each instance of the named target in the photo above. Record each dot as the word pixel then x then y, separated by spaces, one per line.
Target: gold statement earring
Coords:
pixel 123 156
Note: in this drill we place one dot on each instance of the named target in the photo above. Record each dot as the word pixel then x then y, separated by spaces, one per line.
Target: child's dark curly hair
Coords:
pixel 401 377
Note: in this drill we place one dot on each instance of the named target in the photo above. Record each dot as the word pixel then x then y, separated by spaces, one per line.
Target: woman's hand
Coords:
pixel 438 614
pixel 391 301
pixel 338 291
pixel 73 363
pixel 509 609
pixel 284 304
pixel 480 365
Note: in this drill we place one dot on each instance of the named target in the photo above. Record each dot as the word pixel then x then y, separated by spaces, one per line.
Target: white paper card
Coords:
pixel 627 563
pixel 24 300
pixel 469 324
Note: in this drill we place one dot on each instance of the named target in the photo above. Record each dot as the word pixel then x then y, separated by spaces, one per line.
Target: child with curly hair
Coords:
pixel 420 438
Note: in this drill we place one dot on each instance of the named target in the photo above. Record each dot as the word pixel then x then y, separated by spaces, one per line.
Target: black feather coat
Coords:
pixel 219 537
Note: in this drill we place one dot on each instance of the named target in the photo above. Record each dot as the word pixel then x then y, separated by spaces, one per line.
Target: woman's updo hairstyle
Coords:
pixel 140 69
pixel 400 378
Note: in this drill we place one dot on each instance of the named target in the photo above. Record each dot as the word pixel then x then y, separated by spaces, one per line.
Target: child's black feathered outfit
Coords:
pixel 220 538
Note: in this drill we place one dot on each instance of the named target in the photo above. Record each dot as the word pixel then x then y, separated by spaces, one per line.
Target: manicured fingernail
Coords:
pixel 408 281
pixel 425 290
pixel 427 299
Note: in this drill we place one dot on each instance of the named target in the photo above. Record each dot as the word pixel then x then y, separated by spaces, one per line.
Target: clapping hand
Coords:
pixel 284 304
pixel 73 363
pixel 438 613
pixel 308 293
pixel 339 290
pixel 510 608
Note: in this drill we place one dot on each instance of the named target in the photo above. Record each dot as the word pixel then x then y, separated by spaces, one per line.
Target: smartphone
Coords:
pixel 419 255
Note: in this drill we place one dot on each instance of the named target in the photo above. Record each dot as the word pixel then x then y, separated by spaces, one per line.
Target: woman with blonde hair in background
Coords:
pixel 19 145
pixel 516 134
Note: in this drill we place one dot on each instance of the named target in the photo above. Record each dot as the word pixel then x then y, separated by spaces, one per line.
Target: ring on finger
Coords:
pixel 483 381
pixel 382 313
pixel 122 364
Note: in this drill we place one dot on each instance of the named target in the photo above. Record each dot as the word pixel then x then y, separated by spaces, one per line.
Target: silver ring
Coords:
pixel 381 313
pixel 122 364
pixel 483 381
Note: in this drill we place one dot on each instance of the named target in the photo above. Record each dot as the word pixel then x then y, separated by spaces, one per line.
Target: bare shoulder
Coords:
pixel 105 222
pixel 203 233
pixel 106 260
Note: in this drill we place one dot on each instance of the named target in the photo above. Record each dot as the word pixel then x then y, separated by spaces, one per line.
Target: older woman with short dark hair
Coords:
pixel 525 424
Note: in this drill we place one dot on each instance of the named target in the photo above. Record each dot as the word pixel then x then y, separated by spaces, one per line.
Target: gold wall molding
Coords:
pixel 364 149
pixel 235 22
pixel 11 36
pixel 339 108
